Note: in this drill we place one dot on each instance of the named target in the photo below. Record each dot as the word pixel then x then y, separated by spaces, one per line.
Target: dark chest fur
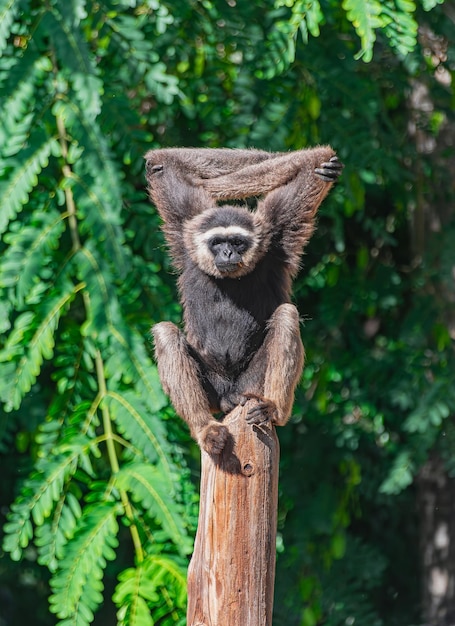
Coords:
pixel 225 319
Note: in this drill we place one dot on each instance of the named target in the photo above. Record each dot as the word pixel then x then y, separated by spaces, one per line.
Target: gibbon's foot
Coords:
pixel 263 411
pixel 330 171
pixel 213 438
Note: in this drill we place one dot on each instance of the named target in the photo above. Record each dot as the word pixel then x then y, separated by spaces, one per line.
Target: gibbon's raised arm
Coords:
pixel 290 210
pixel 174 177
pixel 255 179
pixel 184 182
pixel 177 200
pixel 206 163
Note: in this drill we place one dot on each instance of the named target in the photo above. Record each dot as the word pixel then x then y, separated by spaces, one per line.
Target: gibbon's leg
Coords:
pixel 279 363
pixel 180 377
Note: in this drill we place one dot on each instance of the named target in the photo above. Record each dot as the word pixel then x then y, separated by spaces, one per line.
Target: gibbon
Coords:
pixel 241 336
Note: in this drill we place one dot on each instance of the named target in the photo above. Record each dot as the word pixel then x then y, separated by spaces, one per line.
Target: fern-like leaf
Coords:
pixel 150 487
pixel 280 51
pixel 364 15
pixel 144 429
pixel 36 500
pixel 29 251
pixel 400 25
pixel 131 597
pixel 53 535
pixel 130 362
pixel 104 312
pixel 17 375
pixel 143 593
pixel 77 585
pixel 15 191
pixel 400 476
pixel 18 108
pixel 71 48
pixel 8 12
pixel 429 5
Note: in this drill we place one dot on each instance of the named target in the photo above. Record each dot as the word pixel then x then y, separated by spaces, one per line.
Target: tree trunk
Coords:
pixel 437 530
pixel 232 571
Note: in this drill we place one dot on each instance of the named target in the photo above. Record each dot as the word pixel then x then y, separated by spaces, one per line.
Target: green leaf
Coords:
pixel 130 361
pixel 77 585
pixel 8 12
pixel 70 46
pixel 401 475
pixel 365 17
pixel 151 487
pixel 399 25
pixel 143 428
pixel 130 593
pixel 37 498
pixel 30 250
pixel 104 310
pixel 431 410
pixel 52 536
pixel 23 178
pixel 39 327
pixel 428 5
pixel 139 593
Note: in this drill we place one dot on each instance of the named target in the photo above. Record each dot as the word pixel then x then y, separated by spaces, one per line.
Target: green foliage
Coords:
pixel 153 489
pixel 158 581
pixel 78 584
pixel 104 496
pixel 364 16
pixel 76 307
pixel 395 19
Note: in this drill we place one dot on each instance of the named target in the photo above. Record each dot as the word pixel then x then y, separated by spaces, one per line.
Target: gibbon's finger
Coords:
pixel 258 417
pixel 327 172
pixel 327 177
pixel 261 413
pixel 333 165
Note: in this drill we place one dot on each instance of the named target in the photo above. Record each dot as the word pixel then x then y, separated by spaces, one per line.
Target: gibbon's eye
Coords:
pixel 239 244
pixel 216 241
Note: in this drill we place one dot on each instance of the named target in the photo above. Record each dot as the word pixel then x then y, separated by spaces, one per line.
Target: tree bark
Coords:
pixel 436 491
pixel 232 571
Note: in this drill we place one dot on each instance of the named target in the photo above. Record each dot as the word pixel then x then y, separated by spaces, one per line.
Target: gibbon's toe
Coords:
pixel 213 438
pixel 262 412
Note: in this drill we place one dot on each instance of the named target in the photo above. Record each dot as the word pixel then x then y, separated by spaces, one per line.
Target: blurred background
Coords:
pixel 99 488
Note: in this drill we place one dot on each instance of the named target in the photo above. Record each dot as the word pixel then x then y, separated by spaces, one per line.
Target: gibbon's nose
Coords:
pixel 226 252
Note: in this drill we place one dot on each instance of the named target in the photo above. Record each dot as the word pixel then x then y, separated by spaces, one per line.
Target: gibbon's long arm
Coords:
pixel 177 200
pixel 255 179
pixel 175 179
pixel 184 182
pixel 290 210
pixel 294 185
pixel 198 164
pixel 228 174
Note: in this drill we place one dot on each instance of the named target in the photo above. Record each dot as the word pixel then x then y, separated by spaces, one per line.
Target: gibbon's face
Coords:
pixel 228 247
pixel 224 242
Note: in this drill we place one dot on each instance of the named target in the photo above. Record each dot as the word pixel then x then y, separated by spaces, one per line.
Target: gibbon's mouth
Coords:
pixel 227 268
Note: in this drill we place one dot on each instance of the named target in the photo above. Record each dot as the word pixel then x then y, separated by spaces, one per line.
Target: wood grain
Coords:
pixel 232 570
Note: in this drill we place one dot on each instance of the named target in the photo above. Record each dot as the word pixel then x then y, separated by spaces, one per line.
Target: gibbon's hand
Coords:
pixel 330 171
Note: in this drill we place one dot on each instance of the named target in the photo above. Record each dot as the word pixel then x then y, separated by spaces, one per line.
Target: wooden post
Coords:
pixel 232 571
